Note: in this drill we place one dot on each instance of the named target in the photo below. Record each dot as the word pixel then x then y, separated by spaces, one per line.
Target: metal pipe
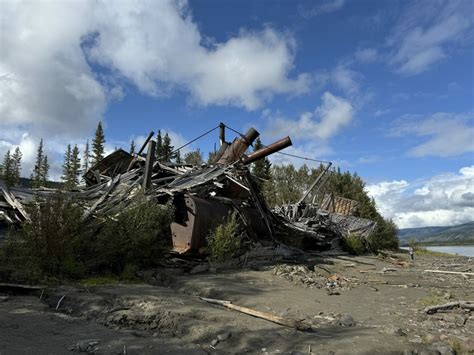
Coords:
pixel 221 133
pixel 146 142
pixel 272 148
pixel 150 159
pixel 234 151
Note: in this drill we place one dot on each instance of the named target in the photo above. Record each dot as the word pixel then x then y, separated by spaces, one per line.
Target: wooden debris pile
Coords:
pixel 202 196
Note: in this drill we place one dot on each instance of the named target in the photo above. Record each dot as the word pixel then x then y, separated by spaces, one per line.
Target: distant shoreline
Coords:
pixel 441 244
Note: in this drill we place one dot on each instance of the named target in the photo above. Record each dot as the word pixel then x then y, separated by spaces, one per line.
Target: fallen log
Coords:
pixel 450 272
pixel 461 304
pixel 292 323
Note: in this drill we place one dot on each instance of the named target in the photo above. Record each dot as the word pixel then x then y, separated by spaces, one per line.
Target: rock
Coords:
pixel 431 338
pixel 88 346
pixel 347 320
pixel 214 342
pixel 444 349
pixel 394 330
pixel 428 352
pixel 199 268
pixel 4 298
pixel 224 336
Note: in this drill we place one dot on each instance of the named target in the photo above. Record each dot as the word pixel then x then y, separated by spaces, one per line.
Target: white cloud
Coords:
pixel 366 55
pixel 425 33
pixel 63 62
pixel 447 134
pixel 330 117
pixel 323 7
pixel 446 199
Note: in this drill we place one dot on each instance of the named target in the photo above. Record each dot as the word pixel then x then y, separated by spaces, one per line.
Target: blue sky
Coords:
pixel 383 88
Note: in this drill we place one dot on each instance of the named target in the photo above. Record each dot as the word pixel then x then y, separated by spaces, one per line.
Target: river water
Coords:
pixel 466 250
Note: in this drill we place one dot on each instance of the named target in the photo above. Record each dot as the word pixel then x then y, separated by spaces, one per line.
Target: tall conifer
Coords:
pixel 98 144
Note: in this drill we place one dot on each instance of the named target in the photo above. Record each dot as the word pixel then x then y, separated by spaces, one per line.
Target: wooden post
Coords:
pixel 150 160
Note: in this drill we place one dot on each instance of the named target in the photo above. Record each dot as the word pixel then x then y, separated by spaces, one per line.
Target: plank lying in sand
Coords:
pixel 450 272
pixel 292 323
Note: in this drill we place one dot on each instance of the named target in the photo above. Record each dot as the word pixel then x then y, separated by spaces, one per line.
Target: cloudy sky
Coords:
pixel 384 88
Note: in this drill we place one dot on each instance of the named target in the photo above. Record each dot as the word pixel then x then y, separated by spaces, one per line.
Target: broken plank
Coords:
pixel 450 272
pixel 287 322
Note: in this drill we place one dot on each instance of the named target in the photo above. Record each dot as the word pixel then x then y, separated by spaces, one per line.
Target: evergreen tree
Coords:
pixel 86 157
pixel 16 166
pixel 132 147
pixel 194 158
pixel 167 149
pixel 211 157
pixel 98 144
pixel 261 168
pixel 7 169
pixel 37 175
pixel 177 158
pixel 44 171
pixel 66 176
pixel 159 146
pixel 75 166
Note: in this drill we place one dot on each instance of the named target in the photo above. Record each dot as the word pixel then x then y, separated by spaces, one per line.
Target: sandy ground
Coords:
pixel 356 305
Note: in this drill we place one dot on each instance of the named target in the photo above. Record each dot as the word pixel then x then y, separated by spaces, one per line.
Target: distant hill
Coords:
pixel 461 235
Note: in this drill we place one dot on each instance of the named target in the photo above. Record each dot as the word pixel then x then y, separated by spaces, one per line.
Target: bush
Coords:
pixel 134 239
pixel 56 243
pixel 225 240
pixel 49 240
pixel 354 245
pixel 384 236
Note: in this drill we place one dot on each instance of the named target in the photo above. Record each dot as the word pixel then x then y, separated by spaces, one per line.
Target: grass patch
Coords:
pixel 423 251
pixel 432 299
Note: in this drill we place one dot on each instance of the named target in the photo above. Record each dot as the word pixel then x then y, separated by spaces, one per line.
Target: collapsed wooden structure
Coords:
pixel 202 196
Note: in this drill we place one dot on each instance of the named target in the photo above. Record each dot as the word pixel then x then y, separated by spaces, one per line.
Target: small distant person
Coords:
pixel 410 250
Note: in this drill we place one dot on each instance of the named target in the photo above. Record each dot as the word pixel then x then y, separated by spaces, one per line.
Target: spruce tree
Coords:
pixel 177 158
pixel 75 166
pixel 98 144
pixel 86 157
pixel 44 171
pixel 261 168
pixel 7 173
pixel 132 147
pixel 159 146
pixel 37 176
pixel 167 149
pixel 66 176
pixel 16 166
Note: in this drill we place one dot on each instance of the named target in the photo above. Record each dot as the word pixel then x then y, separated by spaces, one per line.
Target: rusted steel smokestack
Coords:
pixel 235 151
pixel 272 148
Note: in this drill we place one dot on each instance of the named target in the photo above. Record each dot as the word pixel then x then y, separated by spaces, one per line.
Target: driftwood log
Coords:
pixel 461 304
pixel 287 322
pixel 450 272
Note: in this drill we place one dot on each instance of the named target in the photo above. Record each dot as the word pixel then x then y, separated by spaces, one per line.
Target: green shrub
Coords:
pixel 384 237
pixel 354 245
pixel 137 237
pixel 56 243
pixel 48 241
pixel 224 241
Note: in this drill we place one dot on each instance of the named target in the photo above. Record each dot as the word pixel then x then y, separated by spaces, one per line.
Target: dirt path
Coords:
pixel 353 306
